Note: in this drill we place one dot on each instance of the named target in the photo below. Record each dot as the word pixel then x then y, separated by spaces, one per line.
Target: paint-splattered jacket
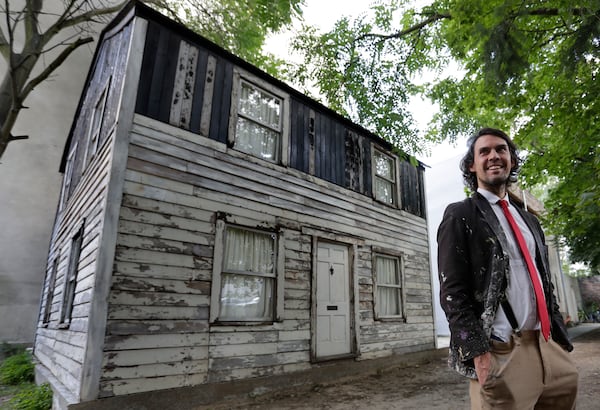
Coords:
pixel 473 270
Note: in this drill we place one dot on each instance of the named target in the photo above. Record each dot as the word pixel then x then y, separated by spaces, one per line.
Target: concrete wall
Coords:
pixel 29 188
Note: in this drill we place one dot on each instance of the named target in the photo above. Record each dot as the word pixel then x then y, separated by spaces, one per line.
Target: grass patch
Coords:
pixel 17 388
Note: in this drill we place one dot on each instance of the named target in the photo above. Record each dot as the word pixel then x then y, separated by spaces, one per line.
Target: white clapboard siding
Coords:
pixel 175 184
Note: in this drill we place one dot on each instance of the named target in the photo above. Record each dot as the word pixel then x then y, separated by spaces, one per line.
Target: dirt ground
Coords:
pixel 428 386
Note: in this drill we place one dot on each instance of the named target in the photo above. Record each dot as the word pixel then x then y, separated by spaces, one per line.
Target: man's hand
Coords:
pixel 482 367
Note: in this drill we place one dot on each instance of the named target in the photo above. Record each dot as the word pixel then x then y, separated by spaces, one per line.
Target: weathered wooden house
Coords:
pixel 217 227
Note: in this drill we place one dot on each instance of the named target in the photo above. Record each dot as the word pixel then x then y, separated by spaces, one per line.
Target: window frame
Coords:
pixel 94 132
pixel 241 76
pixel 68 176
pixel 70 279
pixel 374 176
pixel 399 258
pixel 218 270
pixel 50 287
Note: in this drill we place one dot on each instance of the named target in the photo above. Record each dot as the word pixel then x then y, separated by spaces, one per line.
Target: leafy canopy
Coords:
pixel 529 67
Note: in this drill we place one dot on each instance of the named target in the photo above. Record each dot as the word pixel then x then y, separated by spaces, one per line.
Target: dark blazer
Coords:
pixel 474 271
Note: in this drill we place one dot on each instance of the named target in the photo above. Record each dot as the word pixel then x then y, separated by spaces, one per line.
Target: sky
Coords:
pixel 443 180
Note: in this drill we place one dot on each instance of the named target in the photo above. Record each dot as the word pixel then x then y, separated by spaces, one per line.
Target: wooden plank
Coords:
pixel 150 356
pixel 137 298
pixel 143 270
pixel 185 78
pixel 129 386
pixel 209 85
pixel 155 370
pixel 155 341
pixel 157 312
pixel 144 326
pixel 146 284
pixel 154 231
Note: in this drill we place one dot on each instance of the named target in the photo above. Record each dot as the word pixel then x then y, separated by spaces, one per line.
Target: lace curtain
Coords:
pixel 388 297
pixel 247 296
pixel 258 125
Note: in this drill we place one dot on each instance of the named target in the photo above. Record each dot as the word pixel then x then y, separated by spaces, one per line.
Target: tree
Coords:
pixel 527 66
pixel 239 25
pixel 20 78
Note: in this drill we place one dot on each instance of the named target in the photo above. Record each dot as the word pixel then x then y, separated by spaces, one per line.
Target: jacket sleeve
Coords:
pixel 457 293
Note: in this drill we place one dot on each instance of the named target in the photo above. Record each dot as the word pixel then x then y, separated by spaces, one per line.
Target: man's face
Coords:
pixel 491 163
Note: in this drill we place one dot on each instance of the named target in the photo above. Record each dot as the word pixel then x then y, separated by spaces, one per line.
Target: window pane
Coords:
pixel 245 297
pixel 384 190
pixel 256 140
pixel 260 106
pixel 384 166
pixel 387 271
pixel 249 251
pixel 388 301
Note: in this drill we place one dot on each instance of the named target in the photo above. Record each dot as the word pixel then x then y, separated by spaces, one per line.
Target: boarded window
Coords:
pixel 71 279
pixel 388 286
pixel 384 178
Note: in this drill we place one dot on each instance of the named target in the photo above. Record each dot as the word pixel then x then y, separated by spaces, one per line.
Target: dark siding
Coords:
pixel 299 136
pixel 367 176
pixel 412 191
pixel 158 73
pixel 221 102
pixel 330 150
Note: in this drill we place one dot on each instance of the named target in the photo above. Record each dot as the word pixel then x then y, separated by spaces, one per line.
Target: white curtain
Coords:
pixel 259 137
pixel 383 190
pixel 247 296
pixel 388 297
pixel 384 178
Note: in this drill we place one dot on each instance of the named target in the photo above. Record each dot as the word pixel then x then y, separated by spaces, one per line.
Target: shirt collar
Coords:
pixel 491 197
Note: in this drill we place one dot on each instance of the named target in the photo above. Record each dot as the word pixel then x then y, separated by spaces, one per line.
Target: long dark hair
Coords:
pixel 469 177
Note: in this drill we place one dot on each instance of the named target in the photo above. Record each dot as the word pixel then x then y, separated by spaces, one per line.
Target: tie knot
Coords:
pixel 503 203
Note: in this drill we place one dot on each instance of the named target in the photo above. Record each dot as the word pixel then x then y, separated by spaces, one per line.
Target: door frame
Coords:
pixel 352 244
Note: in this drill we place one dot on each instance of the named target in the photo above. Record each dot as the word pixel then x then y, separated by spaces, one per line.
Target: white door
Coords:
pixel 333 300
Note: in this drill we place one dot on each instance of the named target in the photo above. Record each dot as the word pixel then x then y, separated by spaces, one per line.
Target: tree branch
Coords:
pixel 53 66
pixel 417 27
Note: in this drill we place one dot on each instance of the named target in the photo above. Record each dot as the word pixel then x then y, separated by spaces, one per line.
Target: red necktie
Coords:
pixel 537 286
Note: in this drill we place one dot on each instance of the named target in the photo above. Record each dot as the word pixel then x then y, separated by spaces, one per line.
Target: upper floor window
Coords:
pixel 68 177
pixel 97 117
pixel 388 289
pixel 259 112
pixel 384 178
pixel 245 288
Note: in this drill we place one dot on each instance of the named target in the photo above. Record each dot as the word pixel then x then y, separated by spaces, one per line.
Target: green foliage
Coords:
pixel 17 369
pixel 240 26
pixel 8 349
pixel 527 67
pixel 33 397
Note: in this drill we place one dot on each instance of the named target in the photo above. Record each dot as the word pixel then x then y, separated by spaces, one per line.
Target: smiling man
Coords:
pixel 506 332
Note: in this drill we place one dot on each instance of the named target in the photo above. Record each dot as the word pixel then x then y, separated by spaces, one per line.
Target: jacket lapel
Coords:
pixel 489 216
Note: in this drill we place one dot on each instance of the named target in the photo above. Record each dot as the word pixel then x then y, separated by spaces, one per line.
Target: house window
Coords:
pixel 258 125
pixel 71 279
pixel 51 279
pixel 246 287
pixel 388 289
pixel 384 178
pixel 66 189
pixel 96 125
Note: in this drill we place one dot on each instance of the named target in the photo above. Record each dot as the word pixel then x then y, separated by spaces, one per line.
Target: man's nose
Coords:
pixel 494 154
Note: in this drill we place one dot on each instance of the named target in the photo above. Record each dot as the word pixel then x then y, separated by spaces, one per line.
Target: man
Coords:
pixel 507 334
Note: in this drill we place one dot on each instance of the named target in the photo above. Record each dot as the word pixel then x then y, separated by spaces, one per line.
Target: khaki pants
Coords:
pixel 527 373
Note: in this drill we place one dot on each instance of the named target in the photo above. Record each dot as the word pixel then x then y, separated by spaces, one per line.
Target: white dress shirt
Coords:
pixel 519 292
